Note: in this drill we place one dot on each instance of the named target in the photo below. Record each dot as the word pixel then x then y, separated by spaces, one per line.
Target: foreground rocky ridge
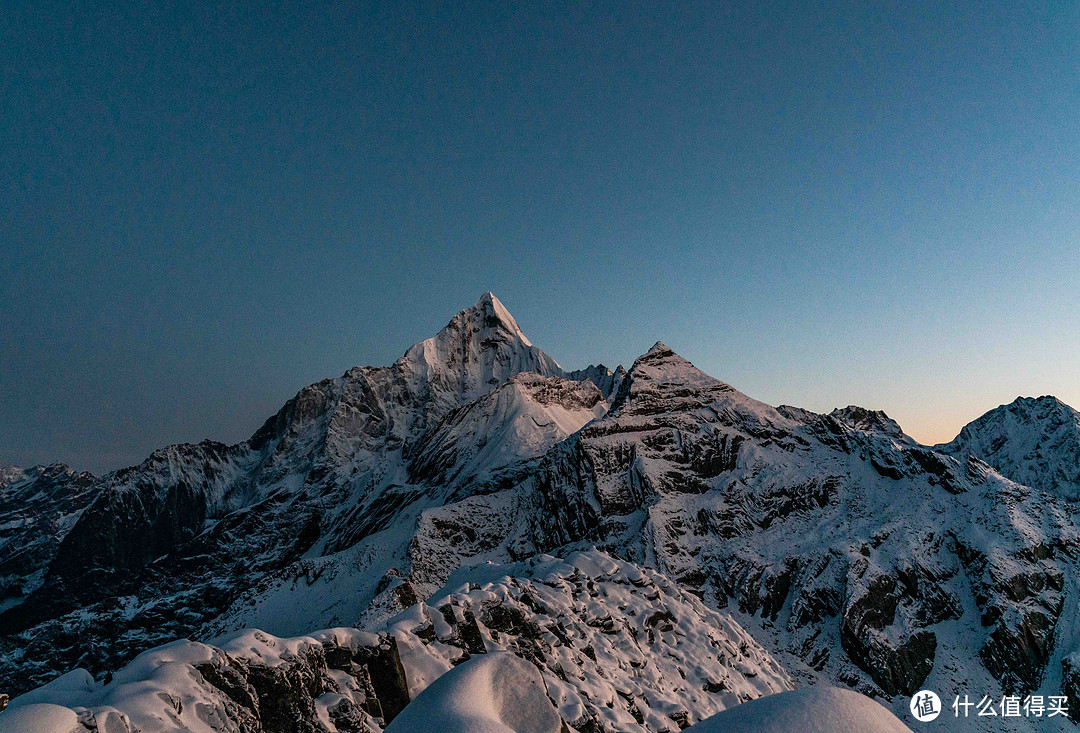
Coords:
pixel 854 554
pixel 619 648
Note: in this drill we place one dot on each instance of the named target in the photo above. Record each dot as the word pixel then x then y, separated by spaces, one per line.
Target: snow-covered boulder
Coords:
pixel 492 693
pixel 809 710
pixel 40 718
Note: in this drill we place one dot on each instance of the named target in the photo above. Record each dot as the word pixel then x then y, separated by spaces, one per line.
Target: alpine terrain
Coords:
pixel 475 538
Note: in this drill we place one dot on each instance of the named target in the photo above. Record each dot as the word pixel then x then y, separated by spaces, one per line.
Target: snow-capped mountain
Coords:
pixel 1033 441
pixel 859 555
pixel 166 547
pixel 854 555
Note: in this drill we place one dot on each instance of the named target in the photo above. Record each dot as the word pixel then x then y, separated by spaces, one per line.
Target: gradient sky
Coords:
pixel 203 210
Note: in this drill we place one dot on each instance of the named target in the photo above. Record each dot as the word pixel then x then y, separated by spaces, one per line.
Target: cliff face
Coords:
pixel 38 508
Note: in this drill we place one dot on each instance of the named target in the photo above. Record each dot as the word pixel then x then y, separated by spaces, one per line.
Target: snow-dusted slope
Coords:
pixel 520 419
pixel 38 507
pixel 1033 441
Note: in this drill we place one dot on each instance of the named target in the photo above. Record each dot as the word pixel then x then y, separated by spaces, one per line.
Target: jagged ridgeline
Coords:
pixel 849 552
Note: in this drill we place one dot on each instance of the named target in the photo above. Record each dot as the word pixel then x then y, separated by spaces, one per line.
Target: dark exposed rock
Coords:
pixel 1070 683
pixel 287 694
pixel 280 698
pixel 897 660
pixel 387 676
pixel 1019 647
pixel 510 620
pixel 887 470
pixel 466 633
pixel 347 717
pixel 232 679
pixel 939 469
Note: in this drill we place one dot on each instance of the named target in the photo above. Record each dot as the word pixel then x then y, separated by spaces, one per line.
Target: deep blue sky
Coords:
pixel 201 211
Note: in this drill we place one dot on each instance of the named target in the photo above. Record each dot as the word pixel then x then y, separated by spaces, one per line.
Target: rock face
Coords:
pixel 854 554
pixel 1070 682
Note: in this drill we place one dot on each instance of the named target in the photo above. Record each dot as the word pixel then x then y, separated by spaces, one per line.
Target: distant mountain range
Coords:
pixel 761 548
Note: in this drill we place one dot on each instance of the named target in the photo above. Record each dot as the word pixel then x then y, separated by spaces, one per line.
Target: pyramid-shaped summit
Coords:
pixel 496 314
pixel 480 348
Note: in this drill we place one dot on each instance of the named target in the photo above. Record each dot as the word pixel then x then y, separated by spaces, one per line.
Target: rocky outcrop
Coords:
pixel 254 683
pixel 1020 597
pixel 874 421
pixel 607 381
pixel 896 660
pixel 621 648
pixel 360 684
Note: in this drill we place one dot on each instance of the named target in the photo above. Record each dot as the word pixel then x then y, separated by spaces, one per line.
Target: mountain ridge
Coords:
pixel 856 555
